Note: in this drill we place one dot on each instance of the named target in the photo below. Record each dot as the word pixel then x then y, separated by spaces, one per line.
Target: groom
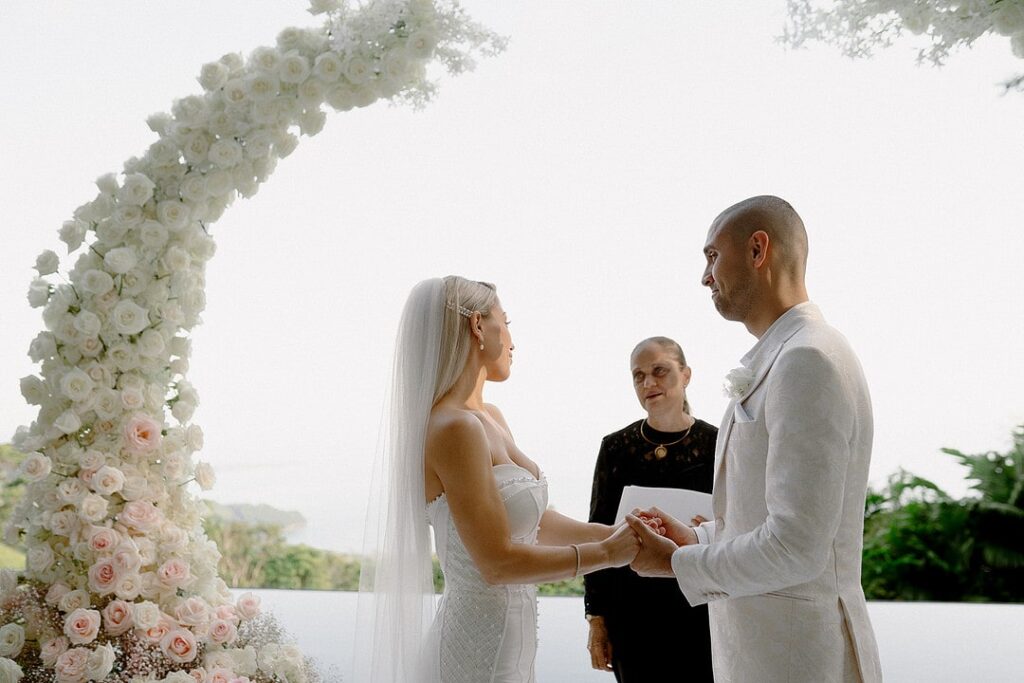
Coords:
pixel 780 564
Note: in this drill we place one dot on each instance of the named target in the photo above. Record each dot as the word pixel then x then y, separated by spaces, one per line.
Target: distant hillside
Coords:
pixel 287 520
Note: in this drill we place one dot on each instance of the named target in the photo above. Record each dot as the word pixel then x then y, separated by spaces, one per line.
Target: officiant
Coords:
pixel 669 448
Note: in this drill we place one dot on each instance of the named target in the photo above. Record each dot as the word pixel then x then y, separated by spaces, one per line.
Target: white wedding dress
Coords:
pixel 484 633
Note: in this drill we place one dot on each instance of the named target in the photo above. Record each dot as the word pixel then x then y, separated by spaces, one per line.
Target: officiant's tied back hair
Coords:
pixel 461 295
pixel 779 220
pixel 675 350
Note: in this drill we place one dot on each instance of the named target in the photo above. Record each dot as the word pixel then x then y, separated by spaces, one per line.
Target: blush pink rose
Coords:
pixel 117 617
pixel 226 612
pixel 82 626
pixel 193 612
pixel 219 675
pixel 223 632
pixel 103 577
pixel 141 515
pixel 155 634
pixel 56 592
pixel 142 434
pixel 174 573
pixel 248 605
pixel 103 539
pixel 199 674
pixel 72 666
pixel 179 645
pixel 50 650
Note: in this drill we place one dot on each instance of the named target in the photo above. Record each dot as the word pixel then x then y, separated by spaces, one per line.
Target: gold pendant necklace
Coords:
pixel 661 449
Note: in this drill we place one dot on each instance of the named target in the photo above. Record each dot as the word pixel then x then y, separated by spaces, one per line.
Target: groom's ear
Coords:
pixel 758 245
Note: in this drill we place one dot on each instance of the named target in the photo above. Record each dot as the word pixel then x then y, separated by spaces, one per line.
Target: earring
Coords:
pixel 481 346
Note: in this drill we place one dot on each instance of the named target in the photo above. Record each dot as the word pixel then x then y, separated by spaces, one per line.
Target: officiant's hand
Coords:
pixel 672 528
pixel 655 556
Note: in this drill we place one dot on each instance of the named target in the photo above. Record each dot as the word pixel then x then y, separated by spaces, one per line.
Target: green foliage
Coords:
pixel 564 587
pixel 10 459
pixel 921 544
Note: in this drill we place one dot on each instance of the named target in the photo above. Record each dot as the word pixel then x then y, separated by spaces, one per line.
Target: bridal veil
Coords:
pixel 396 593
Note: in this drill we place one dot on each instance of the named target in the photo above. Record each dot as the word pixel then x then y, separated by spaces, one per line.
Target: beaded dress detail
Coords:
pixel 483 633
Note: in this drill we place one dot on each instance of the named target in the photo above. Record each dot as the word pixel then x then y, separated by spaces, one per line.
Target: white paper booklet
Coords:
pixel 683 504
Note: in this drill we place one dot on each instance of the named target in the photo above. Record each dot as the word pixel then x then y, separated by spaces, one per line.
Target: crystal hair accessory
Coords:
pixel 462 310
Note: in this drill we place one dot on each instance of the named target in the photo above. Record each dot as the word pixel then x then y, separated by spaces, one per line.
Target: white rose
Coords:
pixel 107 404
pixel 174 465
pixel 47 262
pixel 173 214
pixel 121 259
pixel 146 615
pixel 245 660
pixel 76 384
pixel 129 587
pixel 128 215
pixel 294 68
pixel 285 144
pixel 68 422
pixel 132 398
pixel 357 70
pixel 193 187
pixel 10 671
pixel 263 87
pixel 130 318
pixel 12 639
pixel 38 293
pixel 93 508
pixel 202 247
pixel 194 437
pixel 97 282
pixel 151 344
pixel 72 233
pixel 421 44
pixel 225 153
pixel 111 232
pixel 124 356
pixel 39 558
pixel 328 67
pixel 137 189
pixel 64 523
pixel 323 6
pixel 1008 19
pixel 34 390
pixel 183 410
pixel 36 467
pixel 179 677
pixel 236 91
pixel 82 626
pixel 100 663
pixel 43 346
pixel 1017 45
pixel 213 75
pixel 8 581
pixel 73 600
pixel 265 58
pixel 312 122
pixel 153 234
pixel 190 110
pixel 312 92
pixel 88 323
pixel 158 123
pixel 107 183
pixel 177 259
pixel 108 480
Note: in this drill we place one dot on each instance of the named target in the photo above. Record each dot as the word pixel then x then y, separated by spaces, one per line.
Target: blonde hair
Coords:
pixel 674 349
pixel 462 297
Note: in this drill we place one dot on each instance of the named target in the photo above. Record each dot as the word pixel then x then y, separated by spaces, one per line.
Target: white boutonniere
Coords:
pixel 737 382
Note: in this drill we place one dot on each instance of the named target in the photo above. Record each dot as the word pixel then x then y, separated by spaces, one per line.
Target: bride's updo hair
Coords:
pixel 462 298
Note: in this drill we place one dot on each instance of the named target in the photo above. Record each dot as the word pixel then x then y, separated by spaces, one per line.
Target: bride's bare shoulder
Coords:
pixel 451 426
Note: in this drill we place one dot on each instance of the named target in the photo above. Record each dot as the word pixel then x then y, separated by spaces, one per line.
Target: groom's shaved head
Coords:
pixel 778 219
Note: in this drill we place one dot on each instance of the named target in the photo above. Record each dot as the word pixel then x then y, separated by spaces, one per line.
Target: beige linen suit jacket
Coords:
pixel 782 566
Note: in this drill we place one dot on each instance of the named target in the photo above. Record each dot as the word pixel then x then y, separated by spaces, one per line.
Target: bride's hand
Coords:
pixel 622 546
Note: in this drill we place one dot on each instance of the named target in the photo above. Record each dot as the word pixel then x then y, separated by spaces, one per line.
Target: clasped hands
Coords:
pixel 659 535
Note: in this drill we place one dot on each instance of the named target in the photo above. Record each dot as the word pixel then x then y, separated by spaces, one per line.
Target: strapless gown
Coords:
pixel 483 633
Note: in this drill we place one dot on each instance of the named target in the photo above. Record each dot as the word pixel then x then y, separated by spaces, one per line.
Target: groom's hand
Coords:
pixel 655 556
pixel 678 532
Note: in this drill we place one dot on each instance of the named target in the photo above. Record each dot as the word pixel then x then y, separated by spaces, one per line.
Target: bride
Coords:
pixel 450 461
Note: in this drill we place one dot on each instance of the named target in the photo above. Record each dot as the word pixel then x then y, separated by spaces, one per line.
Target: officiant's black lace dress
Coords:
pixel 655 634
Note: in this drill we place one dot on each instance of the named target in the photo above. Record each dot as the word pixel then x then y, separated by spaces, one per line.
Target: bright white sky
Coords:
pixel 579 171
